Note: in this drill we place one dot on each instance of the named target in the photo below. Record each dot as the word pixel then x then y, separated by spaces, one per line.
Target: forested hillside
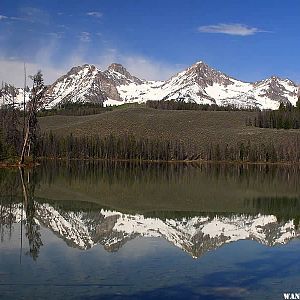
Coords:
pixel 158 131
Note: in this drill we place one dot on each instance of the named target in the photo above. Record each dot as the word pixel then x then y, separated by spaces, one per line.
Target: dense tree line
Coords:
pixel 182 105
pixel 112 147
pixel 75 109
pixel 286 117
pixel 144 149
pixel 252 152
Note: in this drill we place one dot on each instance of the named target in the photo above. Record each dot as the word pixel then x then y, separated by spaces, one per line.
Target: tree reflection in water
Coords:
pixel 32 227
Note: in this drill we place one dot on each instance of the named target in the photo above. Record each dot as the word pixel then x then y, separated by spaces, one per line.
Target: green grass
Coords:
pixel 197 127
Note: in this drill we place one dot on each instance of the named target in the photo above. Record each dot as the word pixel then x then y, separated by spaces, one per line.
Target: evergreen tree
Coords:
pixel 36 99
pixel 298 103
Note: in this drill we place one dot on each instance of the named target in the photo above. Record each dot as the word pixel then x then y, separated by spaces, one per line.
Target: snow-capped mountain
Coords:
pixel 13 96
pixel 199 83
pixel 202 84
pixel 82 84
pixel 194 235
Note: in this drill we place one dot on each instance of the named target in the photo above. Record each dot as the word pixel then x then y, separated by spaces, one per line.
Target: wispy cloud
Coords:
pixel 96 14
pixel 138 65
pixel 13 18
pixel 3 17
pixel 85 37
pixel 11 68
pixel 34 15
pixel 230 29
pixel 29 14
pixel 57 35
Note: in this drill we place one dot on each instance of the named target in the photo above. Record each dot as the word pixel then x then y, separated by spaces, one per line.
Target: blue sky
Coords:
pixel 249 40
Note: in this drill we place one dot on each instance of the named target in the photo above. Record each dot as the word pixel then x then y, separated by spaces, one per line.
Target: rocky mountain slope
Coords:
pixel 194 235
pixel 199 83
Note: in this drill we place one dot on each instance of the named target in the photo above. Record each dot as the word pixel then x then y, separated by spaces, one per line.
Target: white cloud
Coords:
pixel 12 71
pixel 85 37
pixel 146 68
pixel 3 17
pixel 231 29
pixel 34 15
pixel 95 14
pixel 11 68
pixel 138 65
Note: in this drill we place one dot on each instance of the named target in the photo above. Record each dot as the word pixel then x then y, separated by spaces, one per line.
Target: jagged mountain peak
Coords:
pixel 275 79
pixel 277 89
pixel 119 74
pixel 85 83
pixel 119 68
pixel 199 65
pixel 198 83
pixel 204 75
pixel 87 67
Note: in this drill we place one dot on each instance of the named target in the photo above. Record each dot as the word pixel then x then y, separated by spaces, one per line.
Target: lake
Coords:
pixel 104 230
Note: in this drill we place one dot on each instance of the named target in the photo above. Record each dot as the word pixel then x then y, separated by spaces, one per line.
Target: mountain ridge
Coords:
pixel 198 83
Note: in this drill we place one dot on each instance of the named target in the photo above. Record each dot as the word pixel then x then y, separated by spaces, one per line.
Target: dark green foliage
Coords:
pixel 286 117
pixel 75 109
pixel 298 103
pixel 31 128
pixel 182 105
pixel 113 148
pixel 143 149
pixel 10 132
pixel 32 227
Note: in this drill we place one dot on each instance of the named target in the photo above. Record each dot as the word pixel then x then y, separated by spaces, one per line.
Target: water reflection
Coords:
pixel 196 208
pixel 24 212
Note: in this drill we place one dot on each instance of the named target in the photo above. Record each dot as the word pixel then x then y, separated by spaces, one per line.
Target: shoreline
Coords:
pixel 17 165
pixel 188 162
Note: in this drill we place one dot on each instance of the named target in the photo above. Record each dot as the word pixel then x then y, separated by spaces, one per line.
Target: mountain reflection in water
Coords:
pixel 196 208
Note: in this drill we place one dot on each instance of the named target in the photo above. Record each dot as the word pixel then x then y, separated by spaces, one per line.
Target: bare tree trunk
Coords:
pixel 25 193
pixel 24 146
pixel 28 151
pixel 24 102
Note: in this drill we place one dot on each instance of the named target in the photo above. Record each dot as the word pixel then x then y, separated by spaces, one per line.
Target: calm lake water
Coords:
pixel 127 231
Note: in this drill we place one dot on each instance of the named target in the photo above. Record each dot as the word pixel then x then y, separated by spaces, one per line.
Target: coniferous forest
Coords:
pixel 131 148
pixel 182 105
pixel 286 117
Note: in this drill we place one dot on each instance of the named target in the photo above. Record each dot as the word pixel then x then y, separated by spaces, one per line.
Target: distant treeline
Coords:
pixel 75 109
pixel 112 147
pixel 182 105
pixel 143 149
pixel 286 117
